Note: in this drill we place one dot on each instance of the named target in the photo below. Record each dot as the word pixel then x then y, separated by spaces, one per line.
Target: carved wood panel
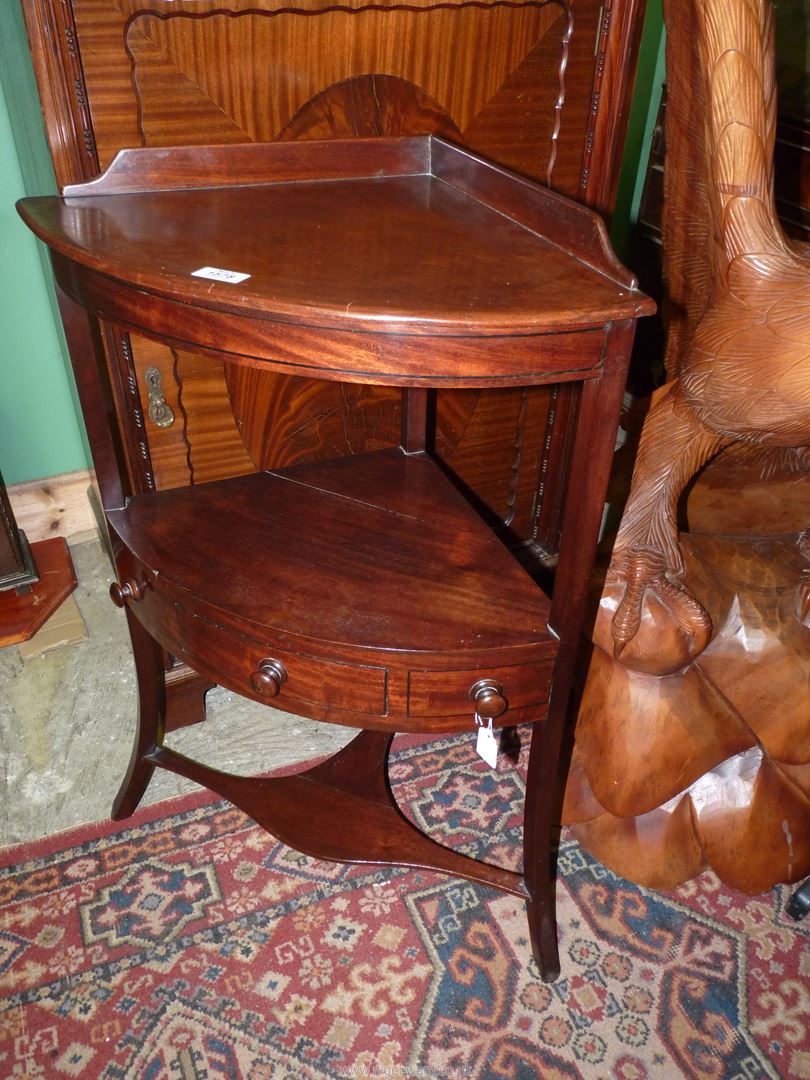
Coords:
pixel 514 77
pixel 539 85
pixel 202 441
pixel 190 71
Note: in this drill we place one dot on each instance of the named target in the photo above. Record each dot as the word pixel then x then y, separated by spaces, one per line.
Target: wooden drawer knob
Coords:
pixel 488 698
pixel 130 590
pixel 268 679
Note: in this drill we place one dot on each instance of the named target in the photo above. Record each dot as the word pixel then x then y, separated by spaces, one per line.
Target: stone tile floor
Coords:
pixel 67 721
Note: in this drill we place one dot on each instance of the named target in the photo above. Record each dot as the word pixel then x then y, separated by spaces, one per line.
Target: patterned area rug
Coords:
pixel 190 945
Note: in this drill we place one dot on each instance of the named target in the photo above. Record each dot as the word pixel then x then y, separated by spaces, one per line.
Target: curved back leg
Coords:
pixel 151 680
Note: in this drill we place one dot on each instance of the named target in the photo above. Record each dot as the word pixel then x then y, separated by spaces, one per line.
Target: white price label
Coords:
pixel 232 277
pixel 486 745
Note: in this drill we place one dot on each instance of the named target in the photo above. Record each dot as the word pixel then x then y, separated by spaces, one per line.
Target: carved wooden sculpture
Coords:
pixel 694 734
pixel 743 361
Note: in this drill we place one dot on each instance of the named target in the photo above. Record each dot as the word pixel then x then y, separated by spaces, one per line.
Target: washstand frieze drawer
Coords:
pixel 433 694
pixel 138 588
pixel 279 676
pixel 402 697
pixel 354 693
pixel 275 676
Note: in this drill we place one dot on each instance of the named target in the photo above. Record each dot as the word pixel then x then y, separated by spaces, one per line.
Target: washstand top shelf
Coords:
pixel 402 237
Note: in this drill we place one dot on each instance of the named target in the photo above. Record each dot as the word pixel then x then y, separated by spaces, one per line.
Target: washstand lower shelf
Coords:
pixel 364 591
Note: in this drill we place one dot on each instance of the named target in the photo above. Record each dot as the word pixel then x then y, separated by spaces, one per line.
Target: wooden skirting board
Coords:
pixel 55 506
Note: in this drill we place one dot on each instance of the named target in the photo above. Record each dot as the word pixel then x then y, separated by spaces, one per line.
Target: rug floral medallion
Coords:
pixel 190 945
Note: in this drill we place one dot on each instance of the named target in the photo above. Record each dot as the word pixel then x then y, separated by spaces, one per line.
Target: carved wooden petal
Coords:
pixel 746 819
pixel 762 633
pixel 659 849
pixel 579 804
pixel 798 775
pixel 752 823
pixel 653 747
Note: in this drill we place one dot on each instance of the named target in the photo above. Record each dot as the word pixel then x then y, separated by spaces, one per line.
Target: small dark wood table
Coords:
pixel 362 591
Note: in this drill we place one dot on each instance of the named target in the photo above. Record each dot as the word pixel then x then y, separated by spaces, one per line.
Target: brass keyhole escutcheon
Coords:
pixel 160 413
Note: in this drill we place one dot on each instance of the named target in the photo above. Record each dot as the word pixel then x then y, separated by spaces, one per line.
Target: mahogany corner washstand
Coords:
pixel 363 591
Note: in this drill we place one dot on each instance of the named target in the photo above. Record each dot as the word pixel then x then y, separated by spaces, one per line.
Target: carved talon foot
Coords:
pixel 643 572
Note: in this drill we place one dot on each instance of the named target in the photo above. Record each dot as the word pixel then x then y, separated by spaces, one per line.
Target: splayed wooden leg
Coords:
pixel 151 714
pixel 539 849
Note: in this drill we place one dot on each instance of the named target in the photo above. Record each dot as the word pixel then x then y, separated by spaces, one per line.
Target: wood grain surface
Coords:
pixel 324 252
pixel 541 86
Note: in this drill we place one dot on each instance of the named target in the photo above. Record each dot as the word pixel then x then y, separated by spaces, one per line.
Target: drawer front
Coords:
pixel 235 660
pixel 151 607
pixel 420 698
pixel 447 693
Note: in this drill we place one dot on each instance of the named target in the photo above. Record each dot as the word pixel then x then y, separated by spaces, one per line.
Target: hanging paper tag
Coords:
pixel 486 745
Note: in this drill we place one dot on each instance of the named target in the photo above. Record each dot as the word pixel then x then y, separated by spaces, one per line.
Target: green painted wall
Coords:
pixel 40 432
pixel 643 113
